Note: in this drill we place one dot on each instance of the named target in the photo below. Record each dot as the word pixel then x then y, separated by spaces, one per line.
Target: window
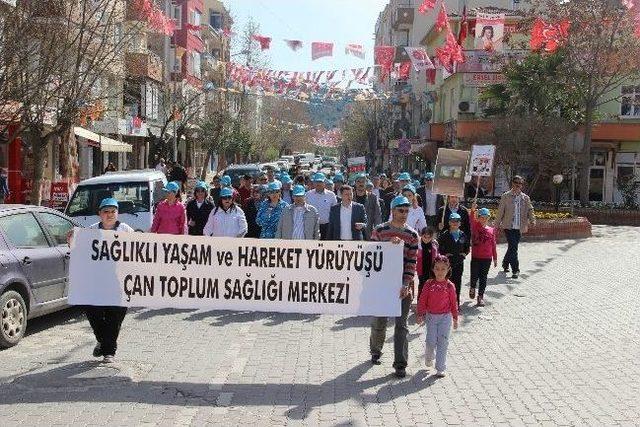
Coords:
pixel 23 231
pixel 177 15
pixel 630 102
pixel 57 227
pixel 215 20
pixel 133 197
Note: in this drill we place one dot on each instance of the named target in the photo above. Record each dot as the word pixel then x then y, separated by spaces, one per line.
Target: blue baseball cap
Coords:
pixel 171 187
pixel 416 184
pixel 201 184
pixel 484 212
pixel 338 178
pixel 318 177
pixel 274 186
pixel 404 176
pixel 454 217
pixel 299 190
pixel 286 179
pixel 369 184
pixel 226 192
pixel 429 175
pixel 360 175
pixel 399 201
pixel 108 202
pixel 409 187
pixel 225 181
pixel 328 181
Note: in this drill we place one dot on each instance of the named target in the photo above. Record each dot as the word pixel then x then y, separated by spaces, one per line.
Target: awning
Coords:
pixel 106 144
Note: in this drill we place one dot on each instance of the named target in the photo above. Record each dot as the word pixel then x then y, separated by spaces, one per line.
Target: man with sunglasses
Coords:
pixel 515 214
pixel 397 231
pixel 198 209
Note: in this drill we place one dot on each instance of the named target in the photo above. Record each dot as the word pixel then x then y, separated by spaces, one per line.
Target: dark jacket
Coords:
pixel 455 251
pixel 358 214
pixel 422 194
pixel 199 215
pixel 374 213
pixel 465 223
pixel 178 174
pixel 251 212
pixel 388 198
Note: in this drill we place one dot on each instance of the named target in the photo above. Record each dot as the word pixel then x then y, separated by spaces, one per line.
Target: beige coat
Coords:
pixel 506 210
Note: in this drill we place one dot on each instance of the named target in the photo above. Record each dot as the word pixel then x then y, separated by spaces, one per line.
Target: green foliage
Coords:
pixel 536 85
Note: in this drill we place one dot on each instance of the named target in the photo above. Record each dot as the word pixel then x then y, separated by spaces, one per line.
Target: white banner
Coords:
pixel 419 58
pixel 482 160
pixel 294 276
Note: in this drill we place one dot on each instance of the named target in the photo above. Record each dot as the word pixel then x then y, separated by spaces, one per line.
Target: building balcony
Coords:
pixel 147 65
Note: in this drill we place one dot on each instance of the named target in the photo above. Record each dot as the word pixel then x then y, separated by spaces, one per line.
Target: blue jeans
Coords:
pixel 511 256
pixel 438 330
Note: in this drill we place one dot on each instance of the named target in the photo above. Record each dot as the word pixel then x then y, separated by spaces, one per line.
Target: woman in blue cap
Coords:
pixel 170 216
pixel 198 209
pixel 270 211
pixel 455 245
pixel 227 219
pixel 106 320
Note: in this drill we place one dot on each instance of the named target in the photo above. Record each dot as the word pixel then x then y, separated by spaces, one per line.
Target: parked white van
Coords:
pixel 137 192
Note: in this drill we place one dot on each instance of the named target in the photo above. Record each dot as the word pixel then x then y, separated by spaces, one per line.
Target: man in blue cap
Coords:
pixel 106 320
pixel 287 194
pixel 198 209
pixel 338 181
pixel 321 199
pixel 397 231
pixel 300 220
pixel 430 200
pixel 399 183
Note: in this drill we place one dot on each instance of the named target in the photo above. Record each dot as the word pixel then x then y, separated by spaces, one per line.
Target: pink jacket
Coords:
pixel 170 219
pixel 483 240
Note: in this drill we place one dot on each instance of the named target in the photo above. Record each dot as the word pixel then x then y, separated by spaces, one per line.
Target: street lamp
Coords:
pixel 557 180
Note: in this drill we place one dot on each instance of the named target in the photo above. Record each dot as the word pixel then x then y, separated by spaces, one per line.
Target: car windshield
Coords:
pixel 133 197
pixel 236 174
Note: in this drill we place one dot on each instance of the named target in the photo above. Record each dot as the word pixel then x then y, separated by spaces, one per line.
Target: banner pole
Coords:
pixel 475 199
pixel 444 209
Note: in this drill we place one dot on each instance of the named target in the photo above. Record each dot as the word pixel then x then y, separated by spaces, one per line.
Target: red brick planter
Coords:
pixel 556 229
pixel 610 216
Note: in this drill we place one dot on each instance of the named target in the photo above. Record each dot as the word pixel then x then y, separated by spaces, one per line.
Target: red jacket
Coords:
pixel 483 240
pixel 438 298
pixel 434 254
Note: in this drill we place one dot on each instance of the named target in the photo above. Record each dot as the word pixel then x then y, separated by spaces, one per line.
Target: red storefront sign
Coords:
pixel 483 79
pixel 59 195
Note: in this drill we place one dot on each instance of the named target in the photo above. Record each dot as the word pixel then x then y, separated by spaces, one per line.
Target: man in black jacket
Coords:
pixel 350 211
pixel 452 207
pixel 198 209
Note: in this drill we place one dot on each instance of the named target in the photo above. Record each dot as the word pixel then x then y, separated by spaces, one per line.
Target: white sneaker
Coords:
pixel 441 374
pixel 428 362
pixel 108 359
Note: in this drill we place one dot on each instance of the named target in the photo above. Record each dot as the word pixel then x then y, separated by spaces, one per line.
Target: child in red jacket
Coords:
pixel 483 250
pixel 438 303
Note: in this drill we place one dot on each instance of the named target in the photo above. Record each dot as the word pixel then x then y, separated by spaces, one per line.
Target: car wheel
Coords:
pixel 13 318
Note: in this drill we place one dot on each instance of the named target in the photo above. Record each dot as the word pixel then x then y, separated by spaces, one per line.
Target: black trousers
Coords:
pixel 511 256
pixel 479 272
pixel 324 230
pixel 456 277
pixel 106 322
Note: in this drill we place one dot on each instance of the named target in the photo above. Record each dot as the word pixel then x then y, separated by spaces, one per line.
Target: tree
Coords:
pixel 75 53
pixel 360 128
pixel 600 54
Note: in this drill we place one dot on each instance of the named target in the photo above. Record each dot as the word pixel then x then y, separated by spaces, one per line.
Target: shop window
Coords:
pixel 215 20
pixel 630 101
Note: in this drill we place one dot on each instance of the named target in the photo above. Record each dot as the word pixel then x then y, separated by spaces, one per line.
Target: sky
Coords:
pixel 338 21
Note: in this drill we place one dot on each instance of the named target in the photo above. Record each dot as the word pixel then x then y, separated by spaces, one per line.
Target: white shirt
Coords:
pixel 430 202
pixel 376 191
pixel 415 219
pixel 322 202
pixel 516 212
pixel 298 223
pixel 121 227
pixel 345 221
pixel 199 204
pixel 231 223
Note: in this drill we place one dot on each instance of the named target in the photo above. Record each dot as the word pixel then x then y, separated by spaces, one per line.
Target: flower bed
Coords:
pixel 556 229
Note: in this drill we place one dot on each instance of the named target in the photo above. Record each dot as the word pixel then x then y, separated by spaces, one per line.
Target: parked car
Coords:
pixel 289 159
pixel 238 171
pixel 34 256
pixel 329 161
pixel 137 192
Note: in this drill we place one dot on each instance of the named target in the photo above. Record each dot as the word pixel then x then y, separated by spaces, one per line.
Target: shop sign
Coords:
pixel 59 195
pixel 483 79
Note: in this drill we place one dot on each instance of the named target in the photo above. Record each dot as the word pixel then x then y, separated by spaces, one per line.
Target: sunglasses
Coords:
pixel 402 210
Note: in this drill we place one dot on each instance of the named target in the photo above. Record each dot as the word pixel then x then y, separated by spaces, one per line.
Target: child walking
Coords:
pixel 427 253
pixel 438 306
pixel 483 250
pixel 455 245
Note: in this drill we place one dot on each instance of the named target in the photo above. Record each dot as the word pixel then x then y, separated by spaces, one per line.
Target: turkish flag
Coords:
pixel 548 37
pixel 321 49
pixel 426 6
pixel 404 70
pixel 265 42
pixel 384 56
pixel 442 21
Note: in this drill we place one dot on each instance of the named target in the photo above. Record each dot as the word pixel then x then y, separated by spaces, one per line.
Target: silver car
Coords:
pixel 34 266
